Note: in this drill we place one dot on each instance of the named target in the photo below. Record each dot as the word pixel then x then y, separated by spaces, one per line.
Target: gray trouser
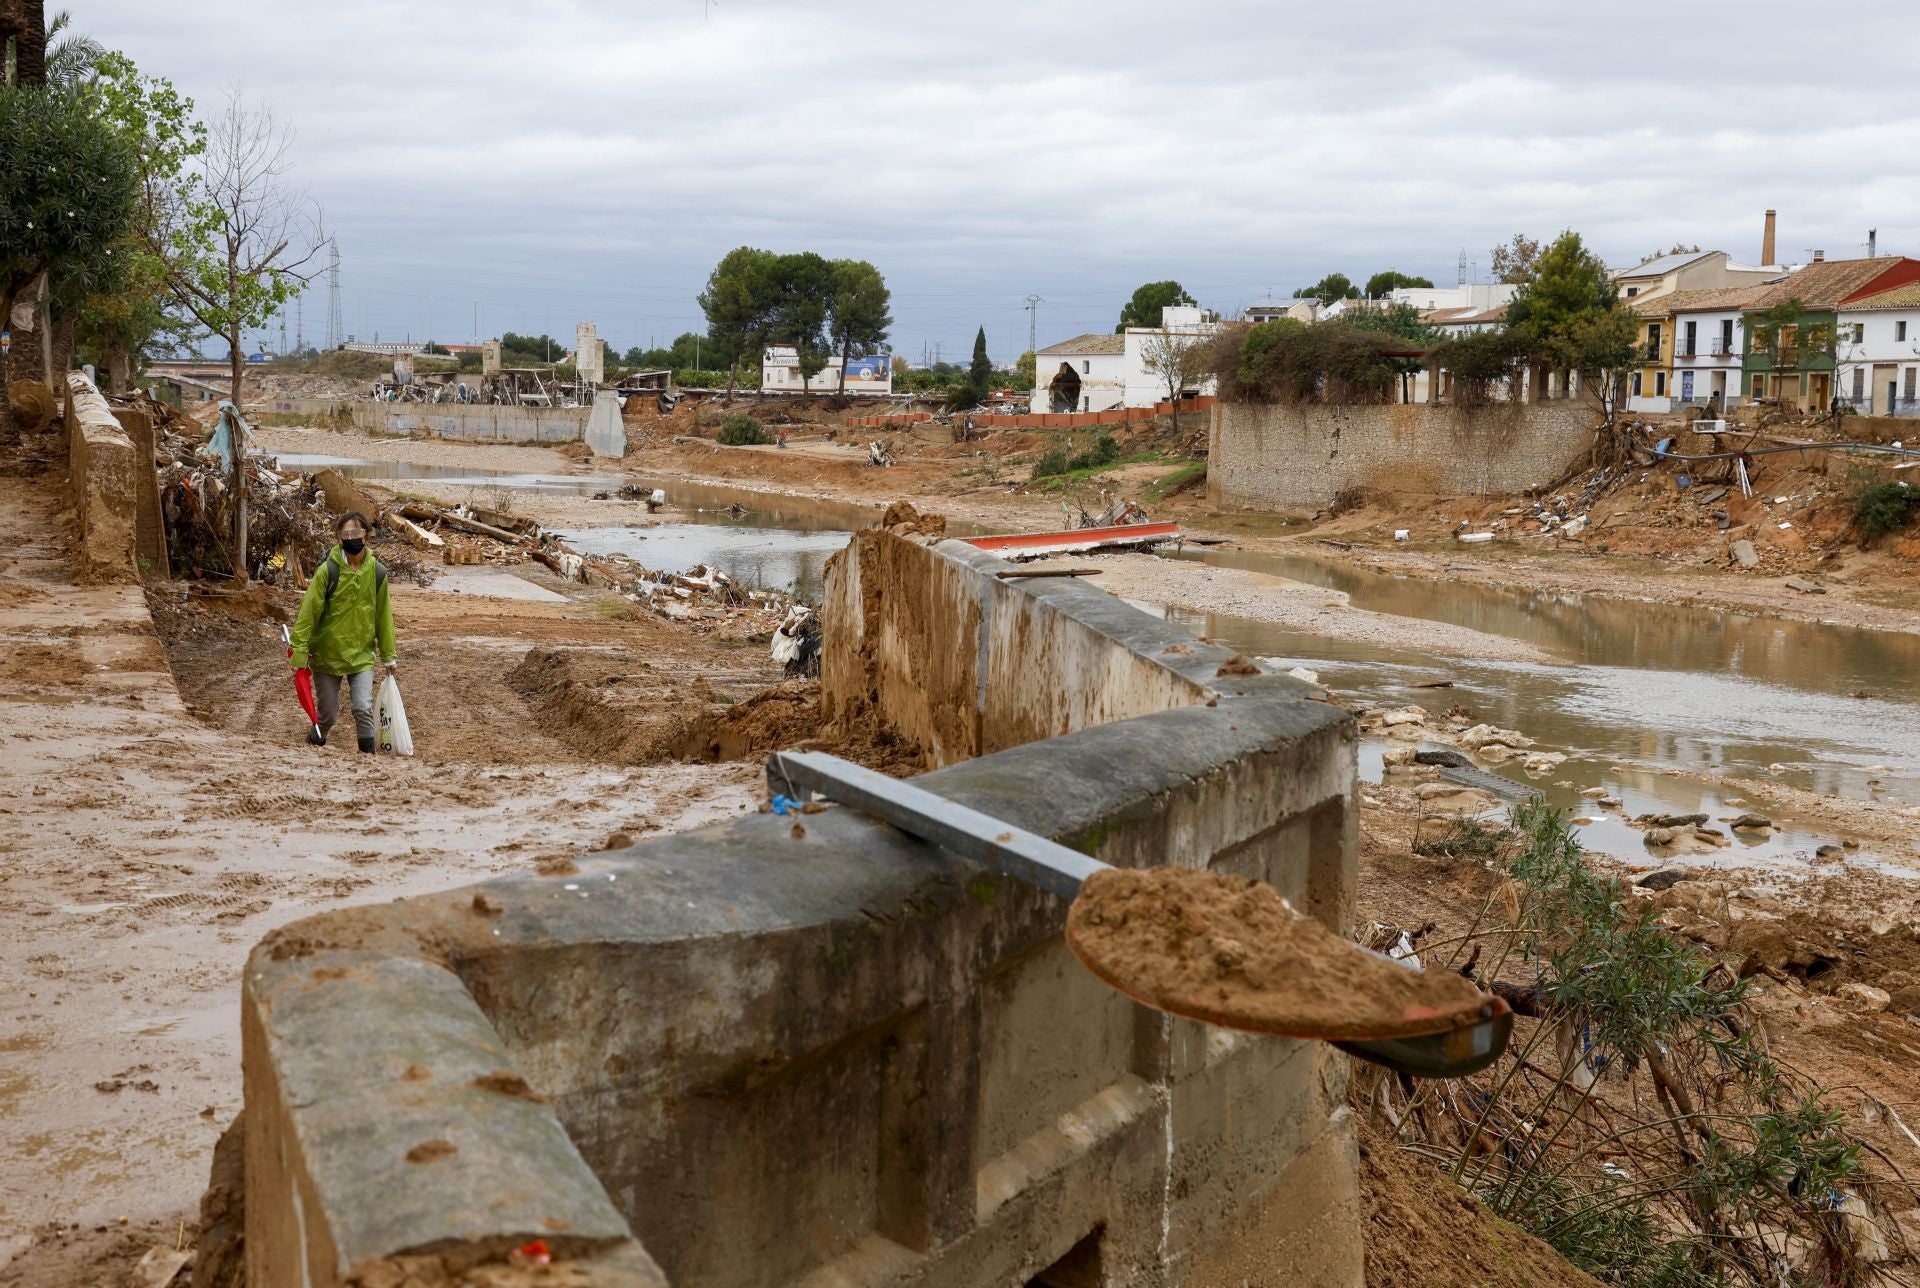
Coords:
pixel 326 693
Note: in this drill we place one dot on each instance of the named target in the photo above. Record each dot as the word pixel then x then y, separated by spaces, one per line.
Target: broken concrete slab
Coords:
pixel 491 583
pixel 1744 554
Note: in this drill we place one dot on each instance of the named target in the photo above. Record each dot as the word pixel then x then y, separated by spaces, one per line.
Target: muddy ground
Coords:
pixel 584 718
pixel 147 841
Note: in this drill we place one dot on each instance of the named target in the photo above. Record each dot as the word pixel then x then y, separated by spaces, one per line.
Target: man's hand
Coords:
pixel 393 667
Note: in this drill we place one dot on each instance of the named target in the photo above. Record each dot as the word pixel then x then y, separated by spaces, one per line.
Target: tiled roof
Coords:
pixel 1824 284
pixel 1719 297
pixel 1094 342
pixel 1898 297
pixel 1471 316
pixel 1661 265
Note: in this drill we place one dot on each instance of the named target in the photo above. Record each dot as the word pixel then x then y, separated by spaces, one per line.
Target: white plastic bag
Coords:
pixel 390 714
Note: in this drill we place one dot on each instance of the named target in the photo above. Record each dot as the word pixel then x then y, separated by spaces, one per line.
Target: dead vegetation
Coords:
pixel 1644 1121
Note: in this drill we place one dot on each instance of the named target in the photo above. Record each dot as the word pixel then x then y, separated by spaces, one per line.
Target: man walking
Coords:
pixel 345 624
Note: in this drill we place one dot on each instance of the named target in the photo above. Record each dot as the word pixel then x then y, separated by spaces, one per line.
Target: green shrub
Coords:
pixel 1103 452
pixel 1052 461
pixel 740 430
pixel 1884 508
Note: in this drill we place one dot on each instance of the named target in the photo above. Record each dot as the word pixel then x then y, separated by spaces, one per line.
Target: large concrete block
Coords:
pixel 104 478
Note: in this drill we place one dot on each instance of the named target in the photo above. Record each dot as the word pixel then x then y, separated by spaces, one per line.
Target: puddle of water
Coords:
pixel 1686 688
pixel 1639 732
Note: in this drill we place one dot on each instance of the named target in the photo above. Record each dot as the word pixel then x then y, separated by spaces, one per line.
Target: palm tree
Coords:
pixel 70 56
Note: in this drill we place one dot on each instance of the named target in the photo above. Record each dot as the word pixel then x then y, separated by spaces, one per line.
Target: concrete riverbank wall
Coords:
pixel 819 1051
pixel 1299 457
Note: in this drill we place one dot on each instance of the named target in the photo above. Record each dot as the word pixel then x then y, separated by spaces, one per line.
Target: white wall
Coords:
pixel 1103 379
pixel 1143 387
pixel 780 369
pixel 1474 295
pixel 1879 347
pixel 1704 363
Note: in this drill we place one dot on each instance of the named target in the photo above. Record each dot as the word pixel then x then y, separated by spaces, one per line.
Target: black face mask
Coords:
pixel 354 545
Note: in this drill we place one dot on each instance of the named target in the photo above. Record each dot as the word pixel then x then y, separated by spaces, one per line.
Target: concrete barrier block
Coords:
pixel 105 470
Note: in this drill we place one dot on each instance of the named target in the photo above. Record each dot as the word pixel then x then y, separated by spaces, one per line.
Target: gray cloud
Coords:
pixel 563 161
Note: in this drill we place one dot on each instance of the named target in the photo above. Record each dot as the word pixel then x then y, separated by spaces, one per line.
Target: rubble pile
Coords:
pixel 466 534
pixel 289 526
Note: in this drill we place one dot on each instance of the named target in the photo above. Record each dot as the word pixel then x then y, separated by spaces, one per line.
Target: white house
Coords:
pixel 1097 371
pixel 1086 373
pixel 1877 352
pixel 1186 325
pixel 1708 339
pixel 780 373
pixel 1473 297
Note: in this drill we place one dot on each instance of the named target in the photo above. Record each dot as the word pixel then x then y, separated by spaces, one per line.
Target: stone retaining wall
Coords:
pixel 1272 456
pixel 818 1051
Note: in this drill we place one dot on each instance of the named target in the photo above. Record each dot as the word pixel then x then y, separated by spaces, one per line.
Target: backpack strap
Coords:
pixel 333 580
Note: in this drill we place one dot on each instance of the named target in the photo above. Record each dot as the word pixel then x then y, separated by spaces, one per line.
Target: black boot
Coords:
pixel 316 736
pixel 366 745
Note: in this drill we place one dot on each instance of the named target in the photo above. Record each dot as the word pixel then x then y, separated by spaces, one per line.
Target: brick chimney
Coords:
pixel 1766 241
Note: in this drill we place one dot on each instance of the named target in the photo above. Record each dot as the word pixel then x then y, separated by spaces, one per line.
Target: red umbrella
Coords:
pixel 303 689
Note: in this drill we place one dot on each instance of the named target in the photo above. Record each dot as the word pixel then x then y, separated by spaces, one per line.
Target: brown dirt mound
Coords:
pixel 1233 951
pixel 612 706
pixel 901 514
pixel 1423 1230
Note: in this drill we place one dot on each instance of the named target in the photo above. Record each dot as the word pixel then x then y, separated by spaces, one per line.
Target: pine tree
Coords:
pixel 980 371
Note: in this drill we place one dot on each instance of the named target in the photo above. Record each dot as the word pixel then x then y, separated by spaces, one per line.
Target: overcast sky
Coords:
pixel 548 163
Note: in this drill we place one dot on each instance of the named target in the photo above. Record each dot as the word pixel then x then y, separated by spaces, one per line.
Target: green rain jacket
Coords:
pixel 341 640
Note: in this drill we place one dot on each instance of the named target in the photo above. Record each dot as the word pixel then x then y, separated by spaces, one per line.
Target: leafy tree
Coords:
pixel 1176 359
pixel 980 370
pixel 68 192
pixel 1144 308
pixel 529 350
pixel 1403 321
pixel 1676 249
pixel 857 318
pixel 1334 286
pixel 1513 262
pixel 1388 280
pixel 246 239
pixel 804 285
pixel 1567 315
pixel 1769 327
pixel 1023 368
pixel 133 316
pixel 740 302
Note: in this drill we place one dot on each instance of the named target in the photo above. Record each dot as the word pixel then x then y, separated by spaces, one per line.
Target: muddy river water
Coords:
pixel 1649 701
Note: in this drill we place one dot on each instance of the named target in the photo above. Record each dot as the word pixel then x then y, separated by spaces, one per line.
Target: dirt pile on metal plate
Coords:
pixel 1232 951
